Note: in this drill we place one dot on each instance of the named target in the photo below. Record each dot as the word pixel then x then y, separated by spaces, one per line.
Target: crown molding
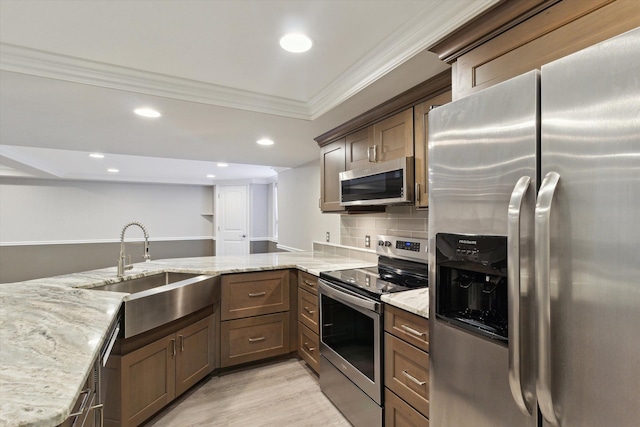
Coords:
pixel 413 37
pixel 46 64
pixel 403 44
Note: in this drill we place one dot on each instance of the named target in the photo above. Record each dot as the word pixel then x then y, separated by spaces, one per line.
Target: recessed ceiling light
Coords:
pixel 296 42
pixel 222 165
pixel 113 170
pixel 97 155
pixel 147 112
pixel 265 141
pixel 211 176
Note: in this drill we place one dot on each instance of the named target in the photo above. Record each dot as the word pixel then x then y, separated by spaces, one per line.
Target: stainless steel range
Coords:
pixel 351 319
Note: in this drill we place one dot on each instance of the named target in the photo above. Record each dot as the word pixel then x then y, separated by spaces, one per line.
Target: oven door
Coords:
pixel 350 336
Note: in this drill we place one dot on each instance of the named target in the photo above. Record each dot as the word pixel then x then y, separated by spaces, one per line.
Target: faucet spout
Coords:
pixel 122 260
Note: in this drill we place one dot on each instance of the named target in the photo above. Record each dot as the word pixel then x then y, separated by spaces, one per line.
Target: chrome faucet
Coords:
pixel 122 261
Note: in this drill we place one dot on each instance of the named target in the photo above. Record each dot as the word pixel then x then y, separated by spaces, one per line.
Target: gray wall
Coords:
pixel 50 227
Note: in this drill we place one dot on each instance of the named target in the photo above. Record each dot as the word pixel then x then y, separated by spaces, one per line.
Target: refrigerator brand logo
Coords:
pixel 468 242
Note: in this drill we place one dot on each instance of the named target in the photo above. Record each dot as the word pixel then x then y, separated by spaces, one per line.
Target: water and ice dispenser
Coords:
pixel 471 283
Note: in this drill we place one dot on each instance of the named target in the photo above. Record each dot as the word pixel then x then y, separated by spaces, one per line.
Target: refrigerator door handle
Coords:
pixel 543 298
pixel 513 280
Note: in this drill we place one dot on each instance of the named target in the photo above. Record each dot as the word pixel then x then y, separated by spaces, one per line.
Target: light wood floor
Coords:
pixel 284 393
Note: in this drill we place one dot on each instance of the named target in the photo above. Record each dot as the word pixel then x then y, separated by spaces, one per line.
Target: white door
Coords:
pixel 232 220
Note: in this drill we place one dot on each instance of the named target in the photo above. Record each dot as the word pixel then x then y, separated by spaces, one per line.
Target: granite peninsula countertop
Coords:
pixel 51 329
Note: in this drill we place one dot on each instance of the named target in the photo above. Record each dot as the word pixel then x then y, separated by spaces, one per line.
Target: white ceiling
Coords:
pixel 71 73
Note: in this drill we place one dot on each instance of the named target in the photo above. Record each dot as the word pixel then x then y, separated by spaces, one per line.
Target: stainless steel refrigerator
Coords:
pixel 534 243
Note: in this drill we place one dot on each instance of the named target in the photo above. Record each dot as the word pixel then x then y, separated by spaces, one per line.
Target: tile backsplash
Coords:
pixel 401 221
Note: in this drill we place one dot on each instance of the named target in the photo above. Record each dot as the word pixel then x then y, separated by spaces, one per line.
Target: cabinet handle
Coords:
pixel 369 154
pixel 375 153
pixel 413 379
pixel 417 191
pixel 412 331
pixel 309 348
pixel 308 283
pixel 257 294
pixel 257 339
pixel 173 347
pixel 181 342
pixel 308 310
pixel 81 409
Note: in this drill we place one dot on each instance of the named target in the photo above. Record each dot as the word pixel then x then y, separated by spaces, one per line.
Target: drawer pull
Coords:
pixel 413 379
pixel 308 283
pixel 309 348
pixel 257 339
pixel 257 294
pixel 412 331
pixel 308 310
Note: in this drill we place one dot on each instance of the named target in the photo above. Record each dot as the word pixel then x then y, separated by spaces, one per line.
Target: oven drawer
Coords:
pixel 254 338
pixel 407 326
pixel 406 370
pixel 308 312
pixel 309 350
pixel 253 294
pixel 308 282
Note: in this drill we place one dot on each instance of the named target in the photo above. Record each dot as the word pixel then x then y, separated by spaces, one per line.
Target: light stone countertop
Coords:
pixel 52 329
pixel 415 301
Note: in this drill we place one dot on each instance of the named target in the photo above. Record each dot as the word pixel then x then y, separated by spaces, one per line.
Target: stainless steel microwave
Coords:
pixel 385 183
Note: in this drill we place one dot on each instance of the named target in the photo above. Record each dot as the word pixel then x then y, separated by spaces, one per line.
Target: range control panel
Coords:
pixel 403 247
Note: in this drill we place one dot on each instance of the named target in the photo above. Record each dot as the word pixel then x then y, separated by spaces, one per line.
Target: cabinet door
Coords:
pixel 406 372
pixel 308 282
pixel 309 347
pixel 254 338
pixel 421 125
pixel 308 310
pixel 397 413
pixel 148 380
pixel 252 294
pixel 332 162
pixel 407 326
pixel 393 137
pixel 194 359
pixel 358 148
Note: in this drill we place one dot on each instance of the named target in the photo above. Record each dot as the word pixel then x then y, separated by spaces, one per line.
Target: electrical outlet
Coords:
pixel 328 236
pixel 367 241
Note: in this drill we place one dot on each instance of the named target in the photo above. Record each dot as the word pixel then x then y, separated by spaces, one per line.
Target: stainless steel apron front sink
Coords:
pixel 162 298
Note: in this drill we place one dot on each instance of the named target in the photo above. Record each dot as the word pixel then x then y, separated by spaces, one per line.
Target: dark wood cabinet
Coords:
pixel 332 162
pixel 358 148
pixel 256 318
pixel 145 380
pixel 308 320
pixel 406 368
pixel 393 137
pixel 421 129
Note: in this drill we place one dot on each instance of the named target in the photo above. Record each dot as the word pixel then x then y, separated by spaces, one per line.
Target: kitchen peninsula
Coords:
pixel 51 329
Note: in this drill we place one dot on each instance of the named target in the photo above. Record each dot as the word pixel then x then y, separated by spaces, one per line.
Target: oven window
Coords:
pixel 350 334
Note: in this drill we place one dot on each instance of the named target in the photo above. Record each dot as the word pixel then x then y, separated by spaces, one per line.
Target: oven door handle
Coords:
pixel 349 297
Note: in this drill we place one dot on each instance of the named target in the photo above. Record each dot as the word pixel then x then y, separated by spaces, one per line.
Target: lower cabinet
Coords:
pixel 406 368
pixel 308 320
pixel 255 313
pixel 150 377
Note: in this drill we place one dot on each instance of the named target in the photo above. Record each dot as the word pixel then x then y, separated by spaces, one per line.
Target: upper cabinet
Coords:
pixel 332 162
pixel 393 137
pixel 521 35
pixel 421 126
pixel 383 133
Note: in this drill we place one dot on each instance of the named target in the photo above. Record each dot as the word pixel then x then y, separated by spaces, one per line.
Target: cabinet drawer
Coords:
pixel 308 282
pixel 309 350
pixel 406 372
pixel 253 294
pixel 397 413
pixel 308 310
pixel 255 338
pixel 407 326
